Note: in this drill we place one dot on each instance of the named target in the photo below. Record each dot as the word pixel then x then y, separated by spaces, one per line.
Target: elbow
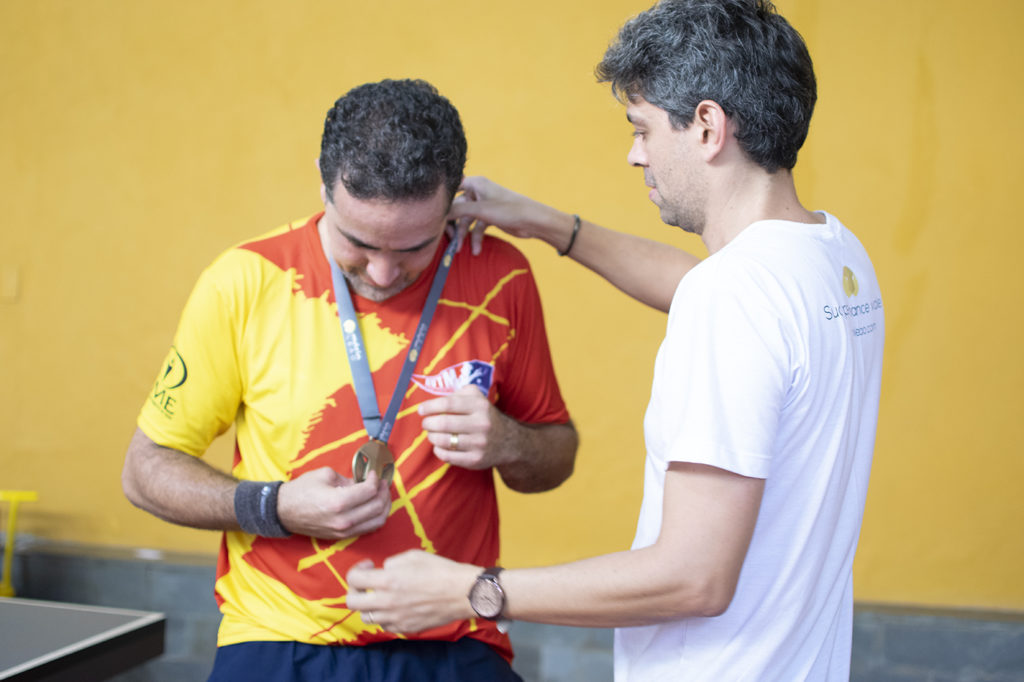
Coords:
pixel 129 488
pixel 567 462
pixel 132 483
pixel 528 483
pixel 714 595
pixel 570 467
pixel 137 471
pixel 701 597
pixel 561 477
pixel 546 468
pixel 561 473
pixel 554 477
pixel 715 603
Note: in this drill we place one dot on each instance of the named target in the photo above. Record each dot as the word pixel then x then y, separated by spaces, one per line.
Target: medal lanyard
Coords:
pixel 379 427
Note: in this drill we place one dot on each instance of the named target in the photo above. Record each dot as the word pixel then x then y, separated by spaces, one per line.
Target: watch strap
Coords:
pixel 503 622
pixel 488 580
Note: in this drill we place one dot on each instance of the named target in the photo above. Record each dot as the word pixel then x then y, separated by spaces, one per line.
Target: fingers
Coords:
pixel 456 447
pixel 372 514
pixel 476 238
pixel 468 214
pixel 459 427
pixel 472 186
pixel 457 433
pixel 466 400
pixel 412 592
pixel 361 577
pixel 368 593
pixel 324 504
pixel 460 229
pixel 469 209
pixel 364 527
pixel 460 226
pixel 329 477
pixel 374 589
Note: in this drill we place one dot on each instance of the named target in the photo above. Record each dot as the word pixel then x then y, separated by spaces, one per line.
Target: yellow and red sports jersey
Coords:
pixel 259 345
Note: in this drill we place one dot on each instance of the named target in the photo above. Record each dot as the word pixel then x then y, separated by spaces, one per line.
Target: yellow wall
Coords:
pixel 139 138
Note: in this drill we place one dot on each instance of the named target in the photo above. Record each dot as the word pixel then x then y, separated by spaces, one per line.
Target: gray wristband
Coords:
pixel 256 509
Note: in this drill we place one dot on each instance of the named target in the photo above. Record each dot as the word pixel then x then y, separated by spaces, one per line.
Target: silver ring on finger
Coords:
pixel 368 618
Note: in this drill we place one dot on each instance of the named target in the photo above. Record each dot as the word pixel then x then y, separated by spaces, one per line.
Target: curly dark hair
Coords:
pixel 739 53
pixel 396 140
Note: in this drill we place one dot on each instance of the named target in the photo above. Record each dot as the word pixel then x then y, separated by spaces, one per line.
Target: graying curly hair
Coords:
pixel 739 53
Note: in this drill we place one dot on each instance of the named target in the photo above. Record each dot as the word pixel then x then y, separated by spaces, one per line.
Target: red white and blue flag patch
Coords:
pixel 450 379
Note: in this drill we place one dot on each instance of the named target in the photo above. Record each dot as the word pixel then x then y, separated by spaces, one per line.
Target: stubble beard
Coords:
pixel 685 218
pixel 371 292
pixel 678 212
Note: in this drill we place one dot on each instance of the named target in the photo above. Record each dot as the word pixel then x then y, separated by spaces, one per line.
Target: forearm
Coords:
pixel 178 487
pixel 536 457
pixel 182 489
pixel 416 591
pixel 646 270
pixel 623 589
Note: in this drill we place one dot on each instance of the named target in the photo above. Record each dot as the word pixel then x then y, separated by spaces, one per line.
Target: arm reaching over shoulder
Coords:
pixel 468 431
pixel 647 270
pixel 183 489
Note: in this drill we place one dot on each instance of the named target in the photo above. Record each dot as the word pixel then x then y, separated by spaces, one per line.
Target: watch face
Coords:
pixel 487 598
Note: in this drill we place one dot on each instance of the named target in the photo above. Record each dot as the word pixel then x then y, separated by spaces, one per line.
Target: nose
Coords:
pixel 383 270
pixel 637 154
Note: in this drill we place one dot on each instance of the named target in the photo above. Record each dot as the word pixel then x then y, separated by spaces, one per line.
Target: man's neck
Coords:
pixel 747 195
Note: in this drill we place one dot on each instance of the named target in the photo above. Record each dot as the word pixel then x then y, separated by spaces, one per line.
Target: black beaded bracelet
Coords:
pixel 256 508
pixel 572 238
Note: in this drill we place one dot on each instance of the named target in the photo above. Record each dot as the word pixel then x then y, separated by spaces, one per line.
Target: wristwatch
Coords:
pixel 486 596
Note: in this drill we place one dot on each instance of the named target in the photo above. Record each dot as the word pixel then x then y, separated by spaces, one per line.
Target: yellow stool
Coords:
pixel 14 497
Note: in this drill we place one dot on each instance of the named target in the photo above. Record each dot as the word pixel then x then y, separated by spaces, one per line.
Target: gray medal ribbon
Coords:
pixel 379 427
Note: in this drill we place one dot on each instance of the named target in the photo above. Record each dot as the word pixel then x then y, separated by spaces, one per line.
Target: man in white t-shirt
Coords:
pixel 762 418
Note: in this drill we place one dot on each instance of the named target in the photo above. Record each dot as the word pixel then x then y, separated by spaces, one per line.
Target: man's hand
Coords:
pixel 484 203
pixel 415 591
pixel 324 504
pixel 465 429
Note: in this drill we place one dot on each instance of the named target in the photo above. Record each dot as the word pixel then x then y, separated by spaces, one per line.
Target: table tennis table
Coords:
pixel 45 640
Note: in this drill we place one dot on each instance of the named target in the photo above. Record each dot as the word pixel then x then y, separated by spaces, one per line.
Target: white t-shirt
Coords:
pixel 771 368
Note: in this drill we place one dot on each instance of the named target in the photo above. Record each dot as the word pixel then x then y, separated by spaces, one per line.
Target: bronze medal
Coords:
pixel 375 456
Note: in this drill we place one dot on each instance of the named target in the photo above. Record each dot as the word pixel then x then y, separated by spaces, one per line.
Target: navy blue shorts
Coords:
pixel 467 660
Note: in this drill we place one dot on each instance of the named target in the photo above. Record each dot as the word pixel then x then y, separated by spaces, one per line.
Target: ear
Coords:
pixel 323 193
pixel 713 127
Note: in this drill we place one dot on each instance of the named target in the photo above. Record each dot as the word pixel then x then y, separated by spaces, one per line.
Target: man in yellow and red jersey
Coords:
pixel 358 327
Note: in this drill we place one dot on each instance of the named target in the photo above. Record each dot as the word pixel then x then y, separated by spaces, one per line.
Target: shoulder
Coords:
pixel 777 251
pixel 497 260
pixel 748 279
pixel 500 275
pixel 723 273
pixel 287 246
pixel 267 256
pixel 497 250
